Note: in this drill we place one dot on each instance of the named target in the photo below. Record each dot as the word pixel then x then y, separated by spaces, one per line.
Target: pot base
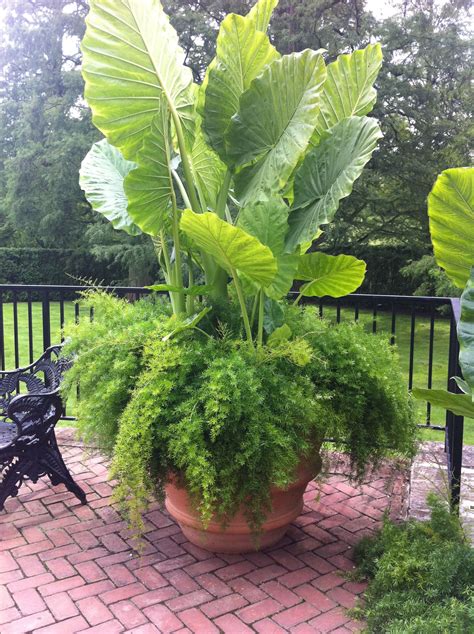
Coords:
pixel 237 537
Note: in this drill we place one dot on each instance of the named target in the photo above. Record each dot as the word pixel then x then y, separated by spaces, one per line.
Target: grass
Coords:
pixel 421 348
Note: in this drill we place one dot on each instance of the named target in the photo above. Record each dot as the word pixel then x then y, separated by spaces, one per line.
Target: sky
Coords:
pixel 380 8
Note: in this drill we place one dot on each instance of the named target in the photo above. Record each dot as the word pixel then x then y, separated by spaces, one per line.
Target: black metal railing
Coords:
pixel 32 317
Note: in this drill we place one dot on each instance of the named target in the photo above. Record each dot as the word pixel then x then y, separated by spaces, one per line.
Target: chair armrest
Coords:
pixel 17 371
pixel 35 410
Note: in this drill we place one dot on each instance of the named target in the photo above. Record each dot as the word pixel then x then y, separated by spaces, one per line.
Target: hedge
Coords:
pixel 383 269
pixel 56 266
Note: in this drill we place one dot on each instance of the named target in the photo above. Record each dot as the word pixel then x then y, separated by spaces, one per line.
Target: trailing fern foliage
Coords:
pixel 228 420
pixel 421 576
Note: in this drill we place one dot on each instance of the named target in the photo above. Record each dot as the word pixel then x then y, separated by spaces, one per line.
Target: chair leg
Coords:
pixel 13 476
pixel 53 463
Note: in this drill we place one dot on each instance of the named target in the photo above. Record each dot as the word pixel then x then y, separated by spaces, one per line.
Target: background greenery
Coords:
pixel 45 128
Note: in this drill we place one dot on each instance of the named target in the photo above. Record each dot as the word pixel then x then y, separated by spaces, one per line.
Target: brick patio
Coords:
pixel 68 568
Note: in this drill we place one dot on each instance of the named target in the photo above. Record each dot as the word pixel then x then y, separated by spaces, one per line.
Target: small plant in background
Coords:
pixel 421 576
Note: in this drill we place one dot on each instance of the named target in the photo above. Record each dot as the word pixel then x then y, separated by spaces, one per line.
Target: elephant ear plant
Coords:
pixel 451 213
pixel 233 181
pixel 233 178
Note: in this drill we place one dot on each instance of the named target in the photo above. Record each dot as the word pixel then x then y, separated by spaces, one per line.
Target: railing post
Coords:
pixel 46 321
pixel 454 424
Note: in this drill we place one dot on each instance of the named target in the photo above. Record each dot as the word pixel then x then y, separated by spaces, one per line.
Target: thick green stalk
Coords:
pixel 261 311
pixel 254 310
pixel 188 175
pixel 297 300
pixel 178 270
pixel 169 277
pixel 182 189
pixel 190 298
pixel 243 307
pixel 223 193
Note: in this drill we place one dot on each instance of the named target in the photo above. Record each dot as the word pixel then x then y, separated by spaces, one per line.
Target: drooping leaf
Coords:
pixel 459 404
pixel 274 123
pixel 267 220
pixel 149 186
pixel 273 316
pixel 188 323
pixel 131 59
pixel 333 275
pixel 231 247
pixel 327 175
pixel 466 332
pixel 280 334
pixel 101 177
pixel 191 290
pixel 451 212
pixel 349 88
pixel 462 385
pixel 242 52
pixel 208 170
pixel 261 13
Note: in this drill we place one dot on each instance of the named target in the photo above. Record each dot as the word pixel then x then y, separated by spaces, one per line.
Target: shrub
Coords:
pixel 421 576
pixel 231 421
pixel 55 266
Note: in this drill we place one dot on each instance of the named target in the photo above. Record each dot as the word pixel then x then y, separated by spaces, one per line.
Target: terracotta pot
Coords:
pixel 237 537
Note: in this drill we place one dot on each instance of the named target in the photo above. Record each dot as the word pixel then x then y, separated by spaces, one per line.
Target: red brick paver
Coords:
pixel 68 568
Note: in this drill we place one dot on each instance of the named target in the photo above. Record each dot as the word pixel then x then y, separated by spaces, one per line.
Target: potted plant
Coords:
pixel 219 399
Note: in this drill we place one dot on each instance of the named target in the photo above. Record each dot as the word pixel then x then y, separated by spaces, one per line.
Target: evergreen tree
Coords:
pixel 45 128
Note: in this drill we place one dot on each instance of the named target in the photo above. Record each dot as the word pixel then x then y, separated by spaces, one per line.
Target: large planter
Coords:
pixel 237 537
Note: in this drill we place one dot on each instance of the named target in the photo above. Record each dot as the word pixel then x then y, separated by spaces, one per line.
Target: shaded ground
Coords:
pixel 71 568
pixel 429 473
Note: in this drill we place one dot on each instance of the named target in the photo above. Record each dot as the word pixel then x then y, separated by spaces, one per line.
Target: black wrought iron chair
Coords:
pixel 30 407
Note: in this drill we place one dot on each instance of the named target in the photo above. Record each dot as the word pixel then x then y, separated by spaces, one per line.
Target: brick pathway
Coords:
pixel 68 568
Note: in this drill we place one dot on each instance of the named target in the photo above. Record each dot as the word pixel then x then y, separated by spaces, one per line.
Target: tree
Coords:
pixel 197 22
pixel 425 106
pixel 45 127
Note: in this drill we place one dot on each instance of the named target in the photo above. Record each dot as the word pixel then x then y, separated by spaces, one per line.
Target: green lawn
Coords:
pixel 420 375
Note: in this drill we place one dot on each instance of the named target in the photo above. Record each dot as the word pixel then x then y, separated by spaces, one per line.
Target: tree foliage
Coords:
pixel 424 105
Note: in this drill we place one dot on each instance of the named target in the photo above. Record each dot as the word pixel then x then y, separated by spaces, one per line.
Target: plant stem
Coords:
pixel 254 310
pixel 243 308
pixel 190 298
pixel 178 271
pixel 297 300
pixel 188 176
pixel 261 311
pixel 168 270
pixel 182 189
pixel 223 193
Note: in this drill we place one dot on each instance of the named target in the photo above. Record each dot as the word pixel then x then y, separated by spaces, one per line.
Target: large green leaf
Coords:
pixel 208 170
pixel 451 212
pixel 131 58
pixel 333 275
pixel 261 13
pixel 466 333
pixel 348 90
pixel 267 220
pixel 149 187
pixel 459 404
pixel 242 52
pixel 101 177
pixel 231 247
pixel 274 124
pixel 327 175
